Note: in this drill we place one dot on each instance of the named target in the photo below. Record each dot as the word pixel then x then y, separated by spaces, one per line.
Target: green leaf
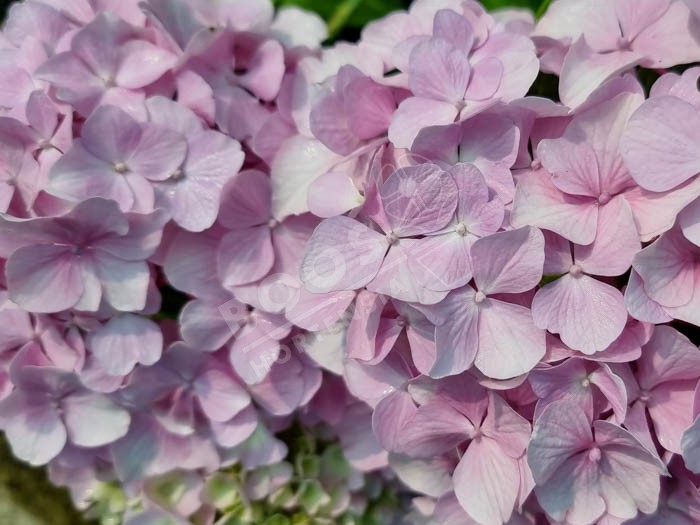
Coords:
pixel 333 464
pixel 221 491
pixel 277 519
pixel 312 496
pixel 490 5
pixel 546 279
pixel 347 13
pixel 308 466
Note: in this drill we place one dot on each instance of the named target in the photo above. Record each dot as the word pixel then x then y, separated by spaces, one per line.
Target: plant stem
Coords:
pixel 341 15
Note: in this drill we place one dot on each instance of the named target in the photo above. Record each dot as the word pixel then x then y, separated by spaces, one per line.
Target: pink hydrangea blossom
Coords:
pixel 390 280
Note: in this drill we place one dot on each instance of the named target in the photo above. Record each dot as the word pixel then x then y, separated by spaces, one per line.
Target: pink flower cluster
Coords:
pixel 213 229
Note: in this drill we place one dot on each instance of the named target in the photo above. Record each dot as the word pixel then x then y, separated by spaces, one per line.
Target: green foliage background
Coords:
pixel 347 17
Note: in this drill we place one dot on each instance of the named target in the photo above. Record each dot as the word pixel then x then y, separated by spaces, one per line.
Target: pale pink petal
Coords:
pixel 145 231
pixel 298 163
pixel 33 428
pixel 169 114
pixel 372 382
pixel 142 64
pixel 561 431
pixel 671 409
pixel 290 384
pixel 265 71
pixel 415 114
pixel 632 480
pixel 565 381
pixel 370 107
pixel 246 201
pixel 588 314
pixel 485 80
pixel 315 312
pixel 418 199
pixel 187 254
pixel 396 280
pixel 219 395
pixel 539 203
pixel 362 330
pixel 111 134
pixel 125 341
pixel 295 27
pixel 44 278
pixel 456 335
pixel 669 356
pixel 203 326
pixel 441 262
pixel 574 166
pixel 663 45
pixel 613 388
pixel 94 420
pixel 439 71
pixel 507 348
pixel 79 175
pixel 508 262
pixel 660 145
pixel 668 269
pixel 602 127
pixel 431 477
pixel 640 305
pixel 691 446
pixel 124 283
pixel 329 124
pixel 253 353
pixel 571 494
pixel 160 153
pixel 487 139
pixel 655 213
pixel 584 70
pixel 389 418
pixel 616 242
pixel 333 193
pixel 689 222
pixel 237 430
pixel 448 511
pixel 518 57
pixel 487 482
pixel 506 427
pixel 454 28
pixel 435 428
pixel 342 254
pixel 245 255
pixel 75 83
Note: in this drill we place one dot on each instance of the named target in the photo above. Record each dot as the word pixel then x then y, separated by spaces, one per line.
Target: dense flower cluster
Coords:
pixel 250 279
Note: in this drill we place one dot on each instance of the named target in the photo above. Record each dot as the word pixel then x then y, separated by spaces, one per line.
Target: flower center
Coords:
pixel 120 167
pixel 586 382
pixel 177 175
pixel 461 229
pixel 594 454
pixel 392 239
pixel 623 43
pixel 644 396
pixel 77 250
pixel 474 433
pixel 272 224
pixel 535 164
pixel 575 270
pixel 480 297
pixel 604 198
